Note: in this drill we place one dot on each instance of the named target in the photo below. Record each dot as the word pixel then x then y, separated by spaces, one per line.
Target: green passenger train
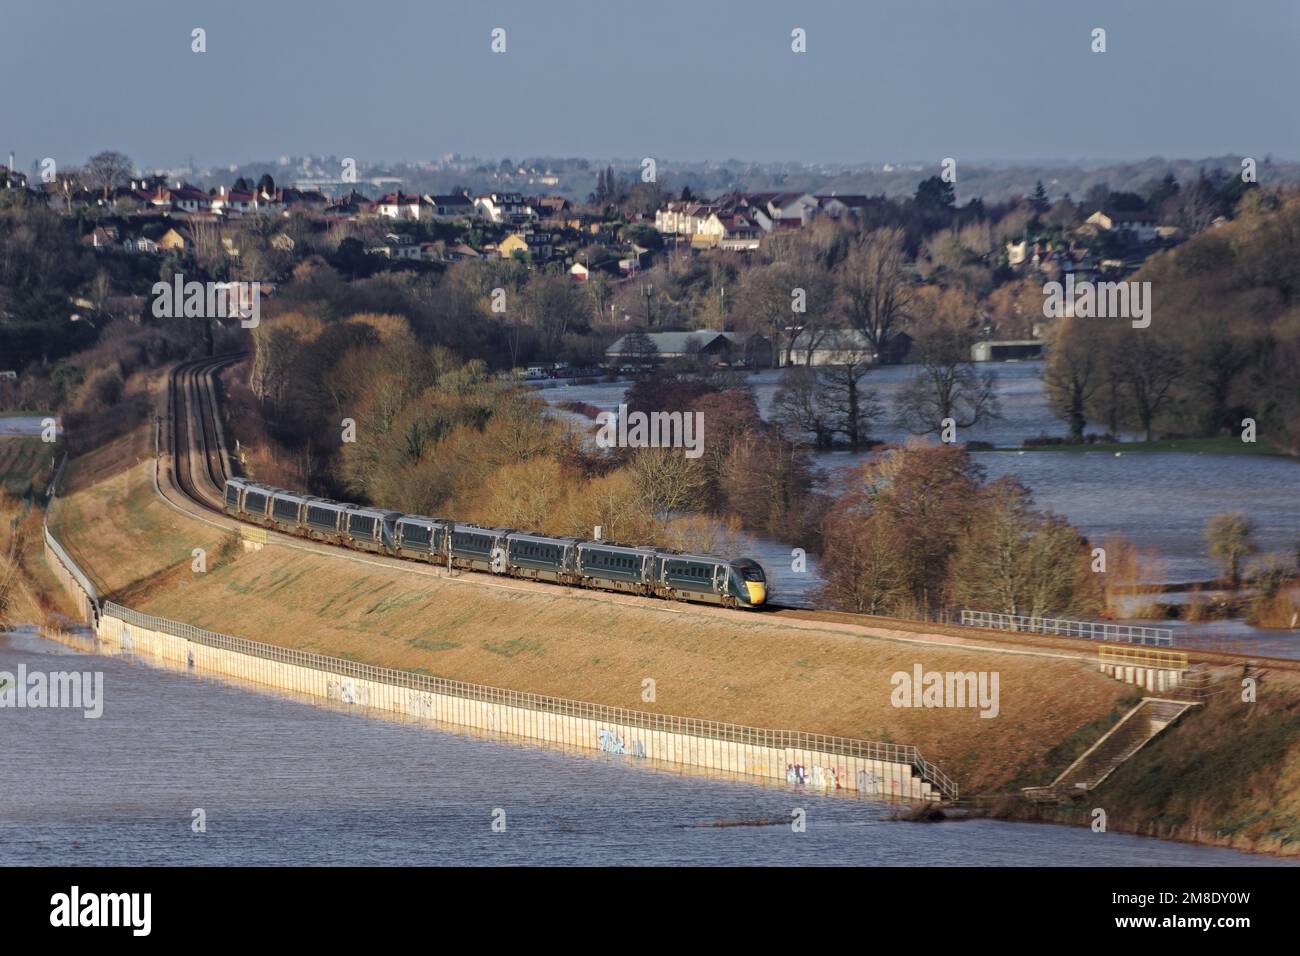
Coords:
pixel 576 562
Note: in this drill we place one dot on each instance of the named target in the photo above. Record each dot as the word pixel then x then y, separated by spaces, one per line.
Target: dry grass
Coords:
pixel 126 539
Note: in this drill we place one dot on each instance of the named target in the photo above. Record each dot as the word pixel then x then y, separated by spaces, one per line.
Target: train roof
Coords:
pixel 373 512
pixel 540 538
pixel 621 548
pixel 421 519
pixel 706 558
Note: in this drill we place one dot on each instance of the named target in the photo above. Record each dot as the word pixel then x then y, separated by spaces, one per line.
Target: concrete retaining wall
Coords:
pixel 1157 679
pixel 820 770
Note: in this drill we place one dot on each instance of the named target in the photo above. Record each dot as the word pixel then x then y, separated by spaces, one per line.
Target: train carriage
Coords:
pixel 255 502
pixel 710 580
pixel 424 539
pixel 325 520
pixel 542 558
pixel 478 549
pixel 234 489
pixel 286 511
pixel 371 529
pixel 615 567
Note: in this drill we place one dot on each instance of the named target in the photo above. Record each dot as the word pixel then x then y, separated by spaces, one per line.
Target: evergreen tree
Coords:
pixel 1039 201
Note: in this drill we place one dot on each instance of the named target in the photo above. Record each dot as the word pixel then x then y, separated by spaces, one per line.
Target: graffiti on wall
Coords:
pixel 868 781
pixel 611 743
pixel 346 691
pixel 420 703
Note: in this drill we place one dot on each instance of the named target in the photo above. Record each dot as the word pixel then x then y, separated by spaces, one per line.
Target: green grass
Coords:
pixel 514 647
pixel 1204 446
pixel 433 645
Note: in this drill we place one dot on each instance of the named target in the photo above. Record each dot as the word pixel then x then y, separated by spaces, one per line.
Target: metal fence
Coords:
pixel 1092 630
pixel 755 736
pixel 72 574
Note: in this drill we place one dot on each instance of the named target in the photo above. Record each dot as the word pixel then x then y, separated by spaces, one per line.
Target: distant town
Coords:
pixel 634 244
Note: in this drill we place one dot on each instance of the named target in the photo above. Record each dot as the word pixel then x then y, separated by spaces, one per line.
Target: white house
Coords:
pixel 190 200
pixel 396 247
pixel 234 201
pixel 828 347
pixel 505 208
pixel 398 205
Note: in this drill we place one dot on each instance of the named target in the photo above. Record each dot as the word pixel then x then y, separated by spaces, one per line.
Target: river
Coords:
pixel 285 782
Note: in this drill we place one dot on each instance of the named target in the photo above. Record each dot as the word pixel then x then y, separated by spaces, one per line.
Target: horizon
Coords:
pixel 1008 85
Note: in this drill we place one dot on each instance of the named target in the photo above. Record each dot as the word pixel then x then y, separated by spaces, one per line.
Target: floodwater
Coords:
pixel 23 426
pixel 284 782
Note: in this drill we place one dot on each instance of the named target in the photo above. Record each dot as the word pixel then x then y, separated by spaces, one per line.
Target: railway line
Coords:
pixel 199 462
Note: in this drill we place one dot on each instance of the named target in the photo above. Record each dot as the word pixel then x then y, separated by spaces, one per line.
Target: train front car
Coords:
pixel 747 582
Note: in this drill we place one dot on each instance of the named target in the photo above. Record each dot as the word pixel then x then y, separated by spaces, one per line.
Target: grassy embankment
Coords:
pixel 1228 775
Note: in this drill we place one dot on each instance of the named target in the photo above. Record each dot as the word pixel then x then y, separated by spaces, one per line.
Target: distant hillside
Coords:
pixel 576 178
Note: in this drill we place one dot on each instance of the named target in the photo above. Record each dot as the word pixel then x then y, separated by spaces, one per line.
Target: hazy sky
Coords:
pixel 681 79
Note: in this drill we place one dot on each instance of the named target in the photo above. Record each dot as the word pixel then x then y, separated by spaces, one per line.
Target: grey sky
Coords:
pixel 675 79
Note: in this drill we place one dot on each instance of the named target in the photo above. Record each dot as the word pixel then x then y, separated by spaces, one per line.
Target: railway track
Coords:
pixel 200 464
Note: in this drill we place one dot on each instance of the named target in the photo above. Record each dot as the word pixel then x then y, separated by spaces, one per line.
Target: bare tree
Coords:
pixel 797 409
pixel 947 386
pixel 107 170
pixel 876 288
pixel 666 479
pixel 1149 367
pixel 848 403
pixel 1072 374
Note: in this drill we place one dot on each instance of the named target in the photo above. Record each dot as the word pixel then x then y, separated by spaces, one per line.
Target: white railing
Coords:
pixel 1091 630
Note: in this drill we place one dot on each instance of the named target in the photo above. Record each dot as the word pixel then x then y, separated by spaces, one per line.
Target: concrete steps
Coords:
pixel 1137 728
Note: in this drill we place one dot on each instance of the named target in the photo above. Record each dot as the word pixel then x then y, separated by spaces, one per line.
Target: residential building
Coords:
pixel 395 246
pixel 187 199
pixel 171 241
pixel 398 205
pixel 538 245
pixel 708 346
pixel 1137 226
pixel 508 209
pixel 445 208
